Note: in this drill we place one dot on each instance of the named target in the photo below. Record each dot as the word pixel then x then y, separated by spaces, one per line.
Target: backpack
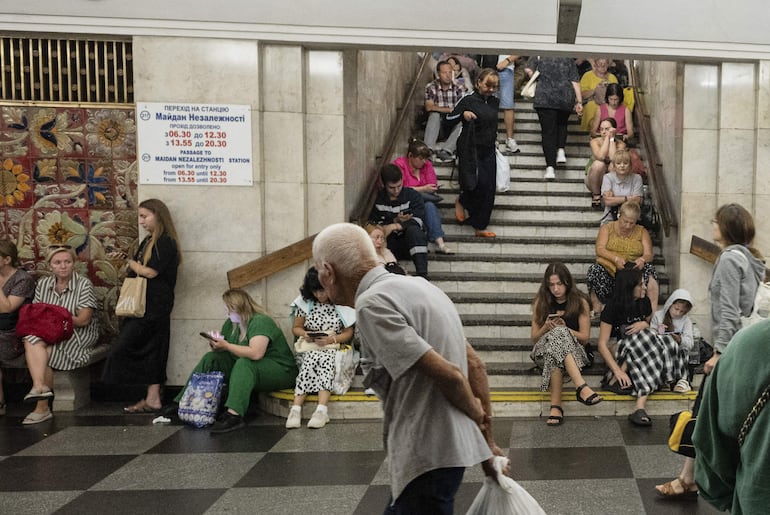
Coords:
pixel 50 322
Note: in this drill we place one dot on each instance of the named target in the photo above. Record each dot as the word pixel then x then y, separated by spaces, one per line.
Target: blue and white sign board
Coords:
pixel 194 144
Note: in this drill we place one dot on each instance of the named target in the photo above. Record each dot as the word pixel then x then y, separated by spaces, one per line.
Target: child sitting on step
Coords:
pixel 672 322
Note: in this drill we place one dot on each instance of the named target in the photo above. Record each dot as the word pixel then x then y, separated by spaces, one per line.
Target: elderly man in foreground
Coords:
pixel 433 387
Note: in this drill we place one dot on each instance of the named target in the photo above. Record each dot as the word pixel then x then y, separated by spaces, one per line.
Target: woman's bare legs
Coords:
pixel 653 290
pixel 556 387
pixel 594 178
pixel 37 356
pixel 153 399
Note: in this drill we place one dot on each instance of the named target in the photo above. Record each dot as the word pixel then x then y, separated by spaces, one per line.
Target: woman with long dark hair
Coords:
pixel 560 329
pixel 140 352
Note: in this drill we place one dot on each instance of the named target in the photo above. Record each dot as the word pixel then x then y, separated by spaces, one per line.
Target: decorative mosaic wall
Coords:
pixel 68 177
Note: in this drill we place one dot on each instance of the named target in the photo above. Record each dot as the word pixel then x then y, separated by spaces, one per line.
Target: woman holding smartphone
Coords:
pixel 252 352
pixel 560 329
pixel 323 326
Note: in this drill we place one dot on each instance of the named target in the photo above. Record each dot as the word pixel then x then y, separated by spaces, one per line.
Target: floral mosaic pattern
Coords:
pixel 68 177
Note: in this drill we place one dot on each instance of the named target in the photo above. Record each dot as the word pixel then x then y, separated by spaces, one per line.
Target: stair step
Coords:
pixel 506 402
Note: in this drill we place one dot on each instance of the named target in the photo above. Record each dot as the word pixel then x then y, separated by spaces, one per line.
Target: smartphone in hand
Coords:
pixel 316 334
pixel 207 336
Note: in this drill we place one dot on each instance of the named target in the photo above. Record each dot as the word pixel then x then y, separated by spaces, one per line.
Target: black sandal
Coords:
pixel 592 399
pixel 556 418
pixel 640 418
pixel 596 202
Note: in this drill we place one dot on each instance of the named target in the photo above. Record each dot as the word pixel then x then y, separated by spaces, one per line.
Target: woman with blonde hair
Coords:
pixel 140 351
pixel 70 290
pixel 252 352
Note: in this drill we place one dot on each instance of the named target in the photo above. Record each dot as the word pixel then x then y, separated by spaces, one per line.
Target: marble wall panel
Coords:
pixel 697 211
pixel 285 216
pixel 763 95
pixel 761 218
pixel 324 82
pixel 699 160
pixel 325 206
pixel 695 275
pixel 736 161
pixel 201 281
pixel 187 346
pixel 738 102
pixel 282 78
pixel 701 99
pixel 214 218
pixel 284 147
pixel 325 152
pixel 762 172
pixel 196 70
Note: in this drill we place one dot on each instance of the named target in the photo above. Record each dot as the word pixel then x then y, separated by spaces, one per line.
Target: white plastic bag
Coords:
pixel 506 498
pixel 503 172
pixel 345 363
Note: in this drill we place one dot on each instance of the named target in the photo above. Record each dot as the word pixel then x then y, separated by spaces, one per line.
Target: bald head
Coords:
pixel 343 253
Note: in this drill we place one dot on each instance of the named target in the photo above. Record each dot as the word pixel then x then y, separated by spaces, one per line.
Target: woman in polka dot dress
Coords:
pixel 323 326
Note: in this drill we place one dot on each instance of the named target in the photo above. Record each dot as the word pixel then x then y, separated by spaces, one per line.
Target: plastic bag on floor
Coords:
pixel 506 498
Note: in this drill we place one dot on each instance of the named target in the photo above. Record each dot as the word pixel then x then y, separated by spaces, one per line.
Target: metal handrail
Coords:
pixel 661 196
pixel 360 212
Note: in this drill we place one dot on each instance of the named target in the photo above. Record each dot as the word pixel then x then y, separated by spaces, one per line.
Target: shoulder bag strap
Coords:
pixel 753 414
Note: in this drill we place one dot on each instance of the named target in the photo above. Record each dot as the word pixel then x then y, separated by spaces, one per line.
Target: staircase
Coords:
pixel 493 281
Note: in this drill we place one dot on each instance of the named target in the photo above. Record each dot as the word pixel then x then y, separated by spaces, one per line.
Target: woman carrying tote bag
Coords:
pixel 140 351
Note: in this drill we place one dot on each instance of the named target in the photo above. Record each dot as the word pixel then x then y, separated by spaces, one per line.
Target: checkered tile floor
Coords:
pixel 100 461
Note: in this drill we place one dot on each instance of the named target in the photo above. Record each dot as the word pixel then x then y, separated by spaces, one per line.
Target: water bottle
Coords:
pixel 694 357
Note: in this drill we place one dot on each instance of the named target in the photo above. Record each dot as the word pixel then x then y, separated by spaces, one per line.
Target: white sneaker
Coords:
pixel 318 420
pixel 512 145
pixel 549 173
pixel 560 157
pixel 294 420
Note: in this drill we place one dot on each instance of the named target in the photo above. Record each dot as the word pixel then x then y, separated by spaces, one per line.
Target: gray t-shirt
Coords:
pixel 399 319
pixel 629 186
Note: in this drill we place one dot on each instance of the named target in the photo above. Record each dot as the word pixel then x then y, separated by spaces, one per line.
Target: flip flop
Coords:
pixel 640 418
pixel 485 234
pixel 140 408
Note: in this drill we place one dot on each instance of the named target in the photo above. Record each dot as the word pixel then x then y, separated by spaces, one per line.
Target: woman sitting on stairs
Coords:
pixel 560 329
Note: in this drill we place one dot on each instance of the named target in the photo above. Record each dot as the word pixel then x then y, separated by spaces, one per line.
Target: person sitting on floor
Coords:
pixel 314 313
pixel 253 354
pixel 644 361
pixel 418 173
pixel 401 211
pixel 560 330
pixel 441 95
pixel 68 289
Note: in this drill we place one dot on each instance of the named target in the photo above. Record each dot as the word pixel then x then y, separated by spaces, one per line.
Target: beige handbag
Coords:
pixel 133 298
pixel 528 91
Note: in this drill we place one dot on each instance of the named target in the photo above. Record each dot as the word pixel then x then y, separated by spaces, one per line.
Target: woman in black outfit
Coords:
pixel 139 353
pixel 477 143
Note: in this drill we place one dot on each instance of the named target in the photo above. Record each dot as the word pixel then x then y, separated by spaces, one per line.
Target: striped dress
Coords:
pixel 72 353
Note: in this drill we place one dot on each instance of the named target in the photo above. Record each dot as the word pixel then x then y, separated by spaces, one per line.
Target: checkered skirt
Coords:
pixel 652 360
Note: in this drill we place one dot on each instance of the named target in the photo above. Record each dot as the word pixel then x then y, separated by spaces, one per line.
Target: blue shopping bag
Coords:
pixel 200 401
